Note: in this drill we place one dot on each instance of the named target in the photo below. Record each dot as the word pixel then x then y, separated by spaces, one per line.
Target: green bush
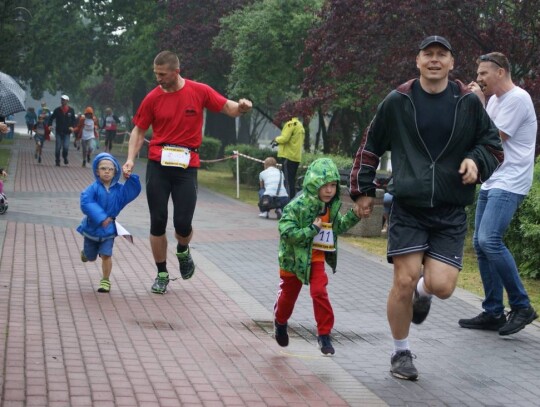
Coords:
pixel 523 236
pixel 249 169
pixel 209 150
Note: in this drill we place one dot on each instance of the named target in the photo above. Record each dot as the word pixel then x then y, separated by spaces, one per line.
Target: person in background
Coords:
pixel 64 118
pixel 110 124
pixel 175 110
pixel 290 144
pixel 443 143
pixel 86 132
pixel 272 183
pixel 512 110
pixel 11 125
pixel 31 119
pixel 44 110
pixel 40 132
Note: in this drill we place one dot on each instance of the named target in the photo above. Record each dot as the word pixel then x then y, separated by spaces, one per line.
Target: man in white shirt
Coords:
pixel 511 109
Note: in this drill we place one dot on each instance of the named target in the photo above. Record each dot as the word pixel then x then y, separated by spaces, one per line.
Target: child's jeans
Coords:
pixel 289 289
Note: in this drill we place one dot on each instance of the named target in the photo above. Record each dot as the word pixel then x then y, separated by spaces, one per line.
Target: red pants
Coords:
pixel 289 289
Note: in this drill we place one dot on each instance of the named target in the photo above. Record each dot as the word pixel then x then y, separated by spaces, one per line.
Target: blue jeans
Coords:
pixel 494 211
pixel 61 143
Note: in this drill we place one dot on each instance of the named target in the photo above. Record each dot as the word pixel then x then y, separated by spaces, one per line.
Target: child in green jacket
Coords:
pixel 308 237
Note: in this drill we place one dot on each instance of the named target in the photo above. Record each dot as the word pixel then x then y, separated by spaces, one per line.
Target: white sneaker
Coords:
pixel 263 215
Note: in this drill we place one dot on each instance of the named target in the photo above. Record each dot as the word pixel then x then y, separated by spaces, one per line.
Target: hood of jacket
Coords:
pixel 106 156
pixel 320 172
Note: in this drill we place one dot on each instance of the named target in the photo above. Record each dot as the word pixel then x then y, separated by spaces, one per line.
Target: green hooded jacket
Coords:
pixel 296 227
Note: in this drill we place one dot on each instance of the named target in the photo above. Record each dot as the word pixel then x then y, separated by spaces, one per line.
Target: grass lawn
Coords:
pixel 219 179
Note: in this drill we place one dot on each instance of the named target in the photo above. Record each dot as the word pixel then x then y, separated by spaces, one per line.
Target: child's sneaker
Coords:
pixel 104 286
pixel 281 335
pixel 263 215
pixel 325 345
pixel 160 283
pixel 84 259
pixel 187 267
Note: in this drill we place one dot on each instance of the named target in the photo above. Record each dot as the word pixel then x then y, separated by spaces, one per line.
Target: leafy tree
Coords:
pixel 265 41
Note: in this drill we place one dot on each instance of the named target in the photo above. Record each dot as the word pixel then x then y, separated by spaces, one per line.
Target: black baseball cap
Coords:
pixel 435 39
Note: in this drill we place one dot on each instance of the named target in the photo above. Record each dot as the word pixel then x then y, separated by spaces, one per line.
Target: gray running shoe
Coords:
pixel 402 365
pixel 160 283
pixel 187 267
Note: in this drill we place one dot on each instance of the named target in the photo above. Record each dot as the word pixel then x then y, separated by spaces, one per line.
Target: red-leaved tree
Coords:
pixel 363 49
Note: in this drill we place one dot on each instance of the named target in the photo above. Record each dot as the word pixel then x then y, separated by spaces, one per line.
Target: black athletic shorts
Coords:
pixel 438 232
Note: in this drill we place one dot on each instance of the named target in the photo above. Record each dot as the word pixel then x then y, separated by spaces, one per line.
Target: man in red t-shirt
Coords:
pixel 175 110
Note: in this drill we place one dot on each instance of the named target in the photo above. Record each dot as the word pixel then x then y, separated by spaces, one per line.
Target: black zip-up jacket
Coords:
pixel 418 179
pixel 63 121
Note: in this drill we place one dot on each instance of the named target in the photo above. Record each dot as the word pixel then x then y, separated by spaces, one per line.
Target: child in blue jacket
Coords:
pixel 101 202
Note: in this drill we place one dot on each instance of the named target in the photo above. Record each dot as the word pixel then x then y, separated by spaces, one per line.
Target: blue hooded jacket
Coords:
pixel 98 204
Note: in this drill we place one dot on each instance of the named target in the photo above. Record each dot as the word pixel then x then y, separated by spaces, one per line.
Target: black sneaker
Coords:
pixel 160 283
pixel 281 335
pixel 517 319
pixel 483 321
pixel 66 162
pixel 58 164
pixel 325 344
pixel 402 365
pixel 187 267
pixel 421 306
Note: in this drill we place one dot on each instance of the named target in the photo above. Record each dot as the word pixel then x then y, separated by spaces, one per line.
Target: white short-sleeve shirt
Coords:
pixel 513 113
pixel 270 178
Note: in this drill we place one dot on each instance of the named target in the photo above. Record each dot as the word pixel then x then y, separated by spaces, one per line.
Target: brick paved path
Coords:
pixel 208 341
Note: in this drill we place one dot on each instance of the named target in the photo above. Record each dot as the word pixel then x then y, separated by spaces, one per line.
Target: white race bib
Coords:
pixel 172 156
pixel 324 240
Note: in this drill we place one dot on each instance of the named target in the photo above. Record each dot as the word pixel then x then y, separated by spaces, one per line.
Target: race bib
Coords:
pixel 324 240
pixel 172 156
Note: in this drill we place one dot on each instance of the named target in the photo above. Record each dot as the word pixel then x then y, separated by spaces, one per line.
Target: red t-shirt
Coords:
pixel 177 117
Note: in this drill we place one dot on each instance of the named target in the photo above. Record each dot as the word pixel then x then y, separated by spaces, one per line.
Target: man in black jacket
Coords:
pixel 443 143
pixel 65 121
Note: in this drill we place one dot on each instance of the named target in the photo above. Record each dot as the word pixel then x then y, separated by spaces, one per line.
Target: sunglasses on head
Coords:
pixel 487 58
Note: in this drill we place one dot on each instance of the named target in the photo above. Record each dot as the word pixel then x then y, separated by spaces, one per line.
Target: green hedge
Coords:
pixel 523 236
pixel 209 150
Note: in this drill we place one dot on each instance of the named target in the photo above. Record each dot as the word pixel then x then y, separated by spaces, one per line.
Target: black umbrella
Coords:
pixel 12 96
